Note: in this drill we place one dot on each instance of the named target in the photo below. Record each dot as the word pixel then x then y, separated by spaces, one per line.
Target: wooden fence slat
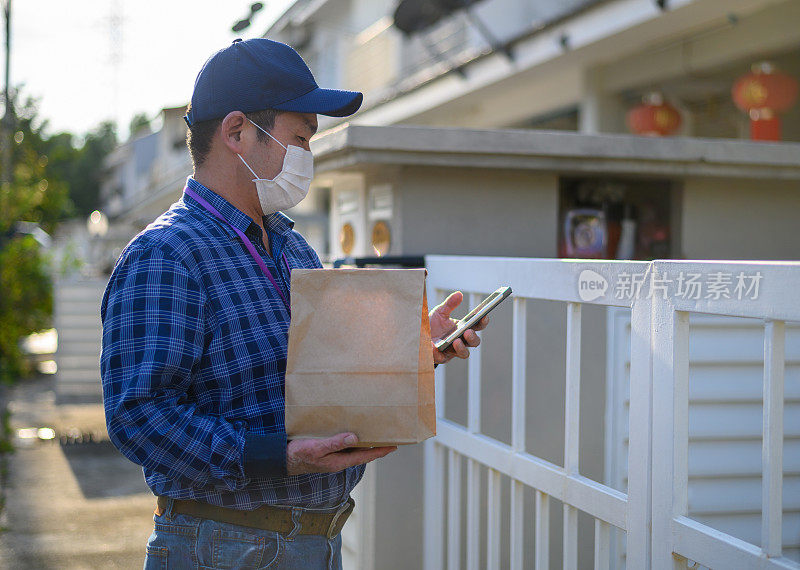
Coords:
pixel 602 545
pixel 433 520
pixel 772 440
pixel 542 532
pixel 453 511
pixel 493 520
pixel 518 375
pixel 570 538
pixel 517 516
pixel 573 390
pixel 473 514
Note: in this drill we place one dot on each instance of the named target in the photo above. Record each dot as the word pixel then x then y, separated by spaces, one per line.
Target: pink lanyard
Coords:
pixel 247 243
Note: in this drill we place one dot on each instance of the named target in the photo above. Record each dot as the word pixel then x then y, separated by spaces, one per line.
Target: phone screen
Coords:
pixel 477 310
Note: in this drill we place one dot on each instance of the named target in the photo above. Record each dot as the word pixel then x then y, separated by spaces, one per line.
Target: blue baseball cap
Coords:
pixel 258 74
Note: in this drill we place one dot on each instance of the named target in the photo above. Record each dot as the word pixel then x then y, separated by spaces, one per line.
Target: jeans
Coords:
pixel 183 542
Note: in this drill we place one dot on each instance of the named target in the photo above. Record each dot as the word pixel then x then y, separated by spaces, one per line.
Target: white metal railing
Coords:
pixel 654 512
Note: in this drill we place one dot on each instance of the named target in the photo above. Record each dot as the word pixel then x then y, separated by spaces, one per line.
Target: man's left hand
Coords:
pixel 442 325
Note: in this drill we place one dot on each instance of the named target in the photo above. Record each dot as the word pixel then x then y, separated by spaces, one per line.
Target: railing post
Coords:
pixel 474 381
pixel 772 438
pixel 640 434
pixel 433 479
pixel 473 467
pixel 493 520
pixel 572 429
pixel 433 496
pixel 473 514
pixel 518 405
pixel 542 532
pixel 602 545
pixel 670 428
pixel 454 511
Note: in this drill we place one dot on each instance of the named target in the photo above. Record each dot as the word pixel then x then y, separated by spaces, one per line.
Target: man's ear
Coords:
pixel 231 131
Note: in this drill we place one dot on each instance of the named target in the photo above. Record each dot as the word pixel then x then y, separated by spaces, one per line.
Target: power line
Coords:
pixel 115 26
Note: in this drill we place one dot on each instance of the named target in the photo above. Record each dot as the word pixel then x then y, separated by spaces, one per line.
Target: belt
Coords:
pixel 266 517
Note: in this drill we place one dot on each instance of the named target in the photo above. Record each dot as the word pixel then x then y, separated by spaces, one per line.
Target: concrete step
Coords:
pixel 90 296
pixel 69 332
pixel 70 308
pixel 81 286
pixel 79 336
pixel 64 323
pixel 78 375
pixel 80 393
pixel 70 357
pixel 80 342
pixel 71 345
pixel 78 361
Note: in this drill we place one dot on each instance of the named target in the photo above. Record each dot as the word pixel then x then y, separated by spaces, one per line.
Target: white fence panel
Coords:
pixel 726 370
pixel 654 513
pixel 757 290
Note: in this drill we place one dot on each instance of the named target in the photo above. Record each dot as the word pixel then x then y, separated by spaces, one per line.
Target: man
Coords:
pixel 195 323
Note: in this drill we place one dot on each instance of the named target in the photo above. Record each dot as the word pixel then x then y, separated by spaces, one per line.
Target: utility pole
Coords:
pixel 116 21
pixel 8 117
pixel 6 134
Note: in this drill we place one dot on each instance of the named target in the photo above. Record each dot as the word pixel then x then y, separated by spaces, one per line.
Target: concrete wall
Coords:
pixel 449 211
pixel 740 219
pixel 478 212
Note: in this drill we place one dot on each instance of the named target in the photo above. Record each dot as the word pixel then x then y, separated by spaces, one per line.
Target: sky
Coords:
pixel 93 60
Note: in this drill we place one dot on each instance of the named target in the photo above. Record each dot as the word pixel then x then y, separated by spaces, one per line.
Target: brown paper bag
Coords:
pixel 360 356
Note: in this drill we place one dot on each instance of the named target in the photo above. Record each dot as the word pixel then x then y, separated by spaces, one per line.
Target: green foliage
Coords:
pixel 139 122
pixel 6 446
pixel 35 194
pixel 52 178
pixel 81 168
pixel 26 304
pixel 87 168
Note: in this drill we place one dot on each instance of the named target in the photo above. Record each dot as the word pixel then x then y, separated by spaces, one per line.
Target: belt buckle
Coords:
pixel 344 508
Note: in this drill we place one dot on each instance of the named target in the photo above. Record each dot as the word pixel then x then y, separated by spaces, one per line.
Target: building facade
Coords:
pixel 579 67
pixel 576 66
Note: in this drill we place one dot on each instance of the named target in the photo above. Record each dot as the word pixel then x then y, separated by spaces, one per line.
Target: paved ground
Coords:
pixel 73 505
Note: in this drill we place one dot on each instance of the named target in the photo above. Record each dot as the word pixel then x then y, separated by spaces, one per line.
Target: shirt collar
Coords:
pixel 278 222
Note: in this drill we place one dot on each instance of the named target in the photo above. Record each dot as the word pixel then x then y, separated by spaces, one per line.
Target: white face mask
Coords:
pixel 291 184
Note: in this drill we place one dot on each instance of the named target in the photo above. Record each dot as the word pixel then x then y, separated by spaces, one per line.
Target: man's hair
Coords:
pixel 200 135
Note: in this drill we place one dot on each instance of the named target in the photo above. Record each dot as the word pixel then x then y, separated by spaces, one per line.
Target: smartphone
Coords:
pixel 474 317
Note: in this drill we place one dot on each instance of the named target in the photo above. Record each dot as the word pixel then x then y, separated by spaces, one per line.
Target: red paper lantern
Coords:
pixel 654 117
pixel 762 94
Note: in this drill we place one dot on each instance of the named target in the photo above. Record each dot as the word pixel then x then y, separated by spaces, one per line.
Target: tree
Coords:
pixel 140 122
pixel 52 178
pixel 38 196
pixel 82 168
pixel 38 191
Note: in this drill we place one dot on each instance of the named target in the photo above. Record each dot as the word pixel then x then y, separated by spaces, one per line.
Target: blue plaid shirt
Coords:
pixel 194 357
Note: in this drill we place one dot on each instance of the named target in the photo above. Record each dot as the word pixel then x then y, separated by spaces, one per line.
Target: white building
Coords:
pixel 576 65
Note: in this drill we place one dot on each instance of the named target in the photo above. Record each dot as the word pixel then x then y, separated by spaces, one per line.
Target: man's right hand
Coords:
pixel 329 455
